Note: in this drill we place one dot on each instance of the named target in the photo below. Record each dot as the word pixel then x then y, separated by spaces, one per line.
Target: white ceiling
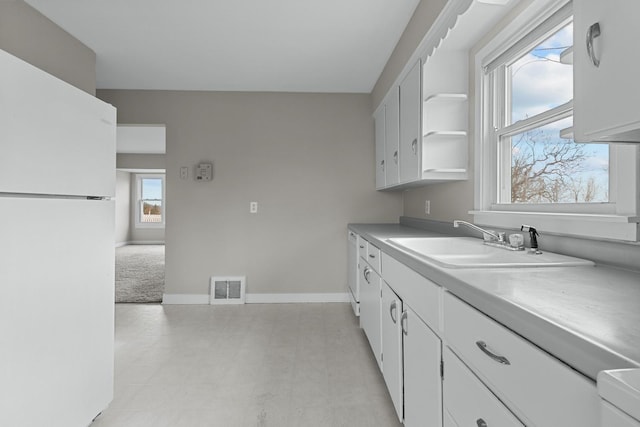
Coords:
pixel 236 45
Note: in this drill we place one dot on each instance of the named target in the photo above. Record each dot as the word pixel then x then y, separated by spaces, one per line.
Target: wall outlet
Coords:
pixel 253 207
pixel 184 172
pixel 427 207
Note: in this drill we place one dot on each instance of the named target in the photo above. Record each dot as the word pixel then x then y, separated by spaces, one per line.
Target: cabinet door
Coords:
pixel 379 118
pixel 605 96
pixel 410 124
pixel 392 346
pixel 370 309
pixel 54 138
pixel 468 402
pixel 392 137
pixel 422 382
pixel 352 271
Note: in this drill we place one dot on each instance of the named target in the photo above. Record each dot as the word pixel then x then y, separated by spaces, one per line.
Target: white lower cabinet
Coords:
pixel 392 346
pixel 422 382
pixel 467 402
pixel 492 376
pixel 538 388
pixel 370 286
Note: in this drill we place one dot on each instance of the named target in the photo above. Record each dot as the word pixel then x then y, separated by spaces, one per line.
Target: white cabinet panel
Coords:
pixel 379 117
pixel 370 287
pixel 410 125
pixel 392 346
pixel 605 96
pixel 56 311
pixel 43 118
pixel 352 271
pixel 392 137
pixel 554 393
pixel 468 401
pixel 423 295
pixel 422 385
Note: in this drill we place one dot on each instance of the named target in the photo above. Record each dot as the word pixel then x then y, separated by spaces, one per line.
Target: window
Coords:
pixel 150 207
pixel 528 168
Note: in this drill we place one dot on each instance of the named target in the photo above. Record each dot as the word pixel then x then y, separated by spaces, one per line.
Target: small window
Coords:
pixel 150 207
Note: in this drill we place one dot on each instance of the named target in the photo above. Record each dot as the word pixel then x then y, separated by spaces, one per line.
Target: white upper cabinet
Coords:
pixel 379 118
pixel 410 125
pixel 44 118
pixel 606 70
pixel 392 135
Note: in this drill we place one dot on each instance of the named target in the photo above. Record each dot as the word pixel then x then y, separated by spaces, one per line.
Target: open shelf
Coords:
pixel 446 97
pixel 446 134
pixel 566 133
pixel 566 57
pixel 450 170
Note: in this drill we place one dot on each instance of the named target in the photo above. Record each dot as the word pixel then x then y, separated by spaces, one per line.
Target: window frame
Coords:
pixel 615 219
pixel 139 200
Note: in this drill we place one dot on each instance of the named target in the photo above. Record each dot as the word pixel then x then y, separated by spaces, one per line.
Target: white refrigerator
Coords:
pixel 57 184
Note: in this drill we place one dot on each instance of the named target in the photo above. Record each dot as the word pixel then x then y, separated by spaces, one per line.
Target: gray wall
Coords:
pixel 27 34
pixel 123 207
pixel 140 161
pixel 423 17
pixel 307 159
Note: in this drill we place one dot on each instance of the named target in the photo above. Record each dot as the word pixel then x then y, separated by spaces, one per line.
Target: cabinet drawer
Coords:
pixel 373 257
pixel 538 388
pixel 420 293
pixel 467 402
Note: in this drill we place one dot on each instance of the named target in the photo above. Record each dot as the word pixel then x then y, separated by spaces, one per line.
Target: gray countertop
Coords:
pixel 588 317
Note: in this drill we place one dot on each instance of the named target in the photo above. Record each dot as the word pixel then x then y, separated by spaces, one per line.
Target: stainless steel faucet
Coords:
pixel 497 240
pixel 497 236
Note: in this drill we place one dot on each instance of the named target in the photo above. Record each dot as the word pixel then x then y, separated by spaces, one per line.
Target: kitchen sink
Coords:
pixel 468 252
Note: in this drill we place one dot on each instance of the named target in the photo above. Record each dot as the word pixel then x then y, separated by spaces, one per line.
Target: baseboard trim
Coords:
pixel 293 298
pixel 191 299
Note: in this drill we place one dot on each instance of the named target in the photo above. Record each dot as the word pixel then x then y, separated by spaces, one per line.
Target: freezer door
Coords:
pixel 54 138
pixel 56 311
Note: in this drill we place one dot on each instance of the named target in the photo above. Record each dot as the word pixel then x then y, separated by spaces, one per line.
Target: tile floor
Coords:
pixel 251 365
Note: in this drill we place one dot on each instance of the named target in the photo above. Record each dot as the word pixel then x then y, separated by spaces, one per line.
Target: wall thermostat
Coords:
pixel 204 172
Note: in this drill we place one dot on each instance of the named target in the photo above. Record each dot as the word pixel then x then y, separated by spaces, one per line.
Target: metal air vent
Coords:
pixel 227 290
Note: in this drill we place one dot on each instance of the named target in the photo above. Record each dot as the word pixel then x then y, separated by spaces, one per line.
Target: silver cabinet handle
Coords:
pixel 481 423
pixel 592 33
pixel 366 273
pixel 404 322
pixel 500 359
pixel 414 146
pixel 371 256
pixel 395 157
pixel 361 246
pixel 393 307
pixel 382 164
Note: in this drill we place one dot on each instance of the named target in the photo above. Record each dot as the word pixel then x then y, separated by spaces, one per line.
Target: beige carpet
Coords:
pixel 140 273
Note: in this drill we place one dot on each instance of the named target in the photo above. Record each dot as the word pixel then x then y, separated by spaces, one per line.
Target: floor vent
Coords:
pixel 227 290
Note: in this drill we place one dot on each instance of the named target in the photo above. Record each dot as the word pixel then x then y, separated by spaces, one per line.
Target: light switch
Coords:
pixel 253 207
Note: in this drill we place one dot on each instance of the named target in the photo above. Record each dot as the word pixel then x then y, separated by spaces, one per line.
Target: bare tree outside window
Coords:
pixel 546 169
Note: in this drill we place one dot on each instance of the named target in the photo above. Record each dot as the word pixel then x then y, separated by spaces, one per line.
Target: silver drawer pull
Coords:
pixel 404 322
pixel 392 307
pixel 592 33
pixel 481 423
pixel 500 359
pixel 371 256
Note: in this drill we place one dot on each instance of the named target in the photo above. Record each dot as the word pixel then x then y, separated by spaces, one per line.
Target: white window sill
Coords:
pixel 607 227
